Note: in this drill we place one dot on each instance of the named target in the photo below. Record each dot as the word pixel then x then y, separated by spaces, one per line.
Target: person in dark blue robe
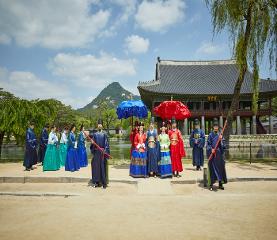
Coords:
pixel 99 163
pixel 197 142
pixel 30 157
pixel 81 149
pixel 72 163
pixel 153 150
pixel 216 166
pixel 43 143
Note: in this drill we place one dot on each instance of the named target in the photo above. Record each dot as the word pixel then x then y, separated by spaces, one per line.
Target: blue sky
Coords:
pixel 71 50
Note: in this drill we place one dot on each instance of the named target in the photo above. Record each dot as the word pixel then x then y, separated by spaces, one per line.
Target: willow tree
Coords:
pixel 252 25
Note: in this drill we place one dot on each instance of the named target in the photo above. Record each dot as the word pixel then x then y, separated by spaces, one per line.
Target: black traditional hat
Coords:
pixel 215 122
pixel 46 125
pixel 196 121
pixel 173 120
pixel 100 121
pixel 136 123
pixel 32 123
pixel 164 125
pixel 141 124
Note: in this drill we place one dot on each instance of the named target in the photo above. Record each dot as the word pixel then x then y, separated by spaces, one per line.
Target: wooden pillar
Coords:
pixel 238 125
pixel 254 124
pixel 186 126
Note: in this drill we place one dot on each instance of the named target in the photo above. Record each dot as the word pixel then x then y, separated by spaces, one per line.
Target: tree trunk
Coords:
pixel 1 141
pixel 242 69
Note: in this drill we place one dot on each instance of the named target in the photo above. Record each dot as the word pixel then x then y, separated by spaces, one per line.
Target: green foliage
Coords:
pixel 16 113
pixel 252 25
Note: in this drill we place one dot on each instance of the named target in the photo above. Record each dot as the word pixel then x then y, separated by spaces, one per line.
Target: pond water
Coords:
pixel 120 150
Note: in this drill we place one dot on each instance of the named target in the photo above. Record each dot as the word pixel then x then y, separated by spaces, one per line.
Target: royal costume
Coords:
pixel 63 148
pixel 99 163
pixel 197 142
pixel 51 160
pixel 153 150
pixel 177 150
pixel 30 157
pixel 138 166
pixel 72 163
pixel 42 145
pixel 165 167
pixel 82 151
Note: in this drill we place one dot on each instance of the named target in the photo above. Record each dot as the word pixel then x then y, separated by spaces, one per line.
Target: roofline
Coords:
pixel 197 62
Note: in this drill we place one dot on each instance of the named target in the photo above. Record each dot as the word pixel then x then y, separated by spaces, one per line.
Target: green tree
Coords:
pixel 252 24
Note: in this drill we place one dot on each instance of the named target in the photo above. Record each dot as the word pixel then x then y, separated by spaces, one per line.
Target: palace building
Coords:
pixel 206 87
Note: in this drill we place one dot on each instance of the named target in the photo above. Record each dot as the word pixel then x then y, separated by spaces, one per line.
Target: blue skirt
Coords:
pixel 165 168
pixel 138 166
pixel 72 163
pixel 82 156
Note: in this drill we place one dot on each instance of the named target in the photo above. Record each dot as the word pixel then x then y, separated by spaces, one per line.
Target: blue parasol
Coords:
pixel 131 108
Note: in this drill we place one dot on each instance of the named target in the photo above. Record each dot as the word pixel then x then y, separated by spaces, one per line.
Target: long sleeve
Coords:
pixel 192 139
pixel 107 145
pixel 201 143
pixel 53 139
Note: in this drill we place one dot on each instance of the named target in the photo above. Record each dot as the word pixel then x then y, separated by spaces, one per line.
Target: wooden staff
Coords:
pixel 97 146
pixel 218 140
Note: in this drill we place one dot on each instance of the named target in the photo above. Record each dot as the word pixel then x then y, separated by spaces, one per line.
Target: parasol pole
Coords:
pixel 97 146
pixel 218 140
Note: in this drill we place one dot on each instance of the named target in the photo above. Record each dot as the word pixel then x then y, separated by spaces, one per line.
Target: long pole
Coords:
pixel 218 140
pixel 97 146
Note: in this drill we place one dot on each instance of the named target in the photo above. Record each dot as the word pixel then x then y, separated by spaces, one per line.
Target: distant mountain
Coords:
pixel 114 93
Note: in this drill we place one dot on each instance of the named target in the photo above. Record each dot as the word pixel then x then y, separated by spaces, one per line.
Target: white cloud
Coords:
pixel 128 8
pixel 136 44
pixel 4 39
pixel 51 23
pixel 91 71
pixel 158 16
pixel 209 48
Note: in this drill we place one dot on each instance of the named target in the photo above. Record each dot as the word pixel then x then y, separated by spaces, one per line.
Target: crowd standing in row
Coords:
pixel 152 154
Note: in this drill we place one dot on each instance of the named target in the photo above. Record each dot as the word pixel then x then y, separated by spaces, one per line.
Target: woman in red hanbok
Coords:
pixel 177 150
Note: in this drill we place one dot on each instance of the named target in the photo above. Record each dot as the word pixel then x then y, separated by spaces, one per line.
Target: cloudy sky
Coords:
pixel 71 49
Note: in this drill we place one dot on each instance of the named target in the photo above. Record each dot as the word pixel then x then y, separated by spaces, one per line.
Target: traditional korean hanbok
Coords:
pixel 177 150
pixel 81 150
pixel 216 166
pixel 165 167
pixel 30 157
pixel 72 163
pixel 197 142
pixel 99 163
pixel 42 145
pixel 138 166
pixel 132 140
pixel 51 160
pixel 153 151
pixel 63 148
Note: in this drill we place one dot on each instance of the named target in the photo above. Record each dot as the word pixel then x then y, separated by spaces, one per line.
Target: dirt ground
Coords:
pixel 245 210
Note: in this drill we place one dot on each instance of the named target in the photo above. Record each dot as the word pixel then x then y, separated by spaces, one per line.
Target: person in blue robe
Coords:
pixel 99 163
pixel 216 166
pixel 81 149
pixel 72 163
pixel 153 151
pixel 30 156
pixel 43 143
pixel 197 142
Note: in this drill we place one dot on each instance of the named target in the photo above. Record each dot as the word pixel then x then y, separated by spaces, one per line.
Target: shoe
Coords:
pixel 211 188
pixel 104 186
pixel 27 169
pixel 221 187
pixel 31 168
pixel 95 185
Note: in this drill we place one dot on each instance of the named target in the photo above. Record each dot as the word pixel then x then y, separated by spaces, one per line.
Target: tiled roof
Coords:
pixel 201 77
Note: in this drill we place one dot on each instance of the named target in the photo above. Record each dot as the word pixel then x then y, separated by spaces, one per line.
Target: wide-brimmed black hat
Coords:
pixel 136 123
pixel 215 122
pixel 196 121
pixel 141 124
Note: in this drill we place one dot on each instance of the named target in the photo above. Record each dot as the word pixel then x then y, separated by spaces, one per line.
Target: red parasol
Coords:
pixel 169 109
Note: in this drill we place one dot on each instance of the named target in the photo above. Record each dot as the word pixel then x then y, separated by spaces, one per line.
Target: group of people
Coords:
pixel 68 151
pixel 154 154
pixel 55 150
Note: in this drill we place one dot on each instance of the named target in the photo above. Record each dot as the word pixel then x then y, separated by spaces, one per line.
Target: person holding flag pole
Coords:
pixel 215 154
